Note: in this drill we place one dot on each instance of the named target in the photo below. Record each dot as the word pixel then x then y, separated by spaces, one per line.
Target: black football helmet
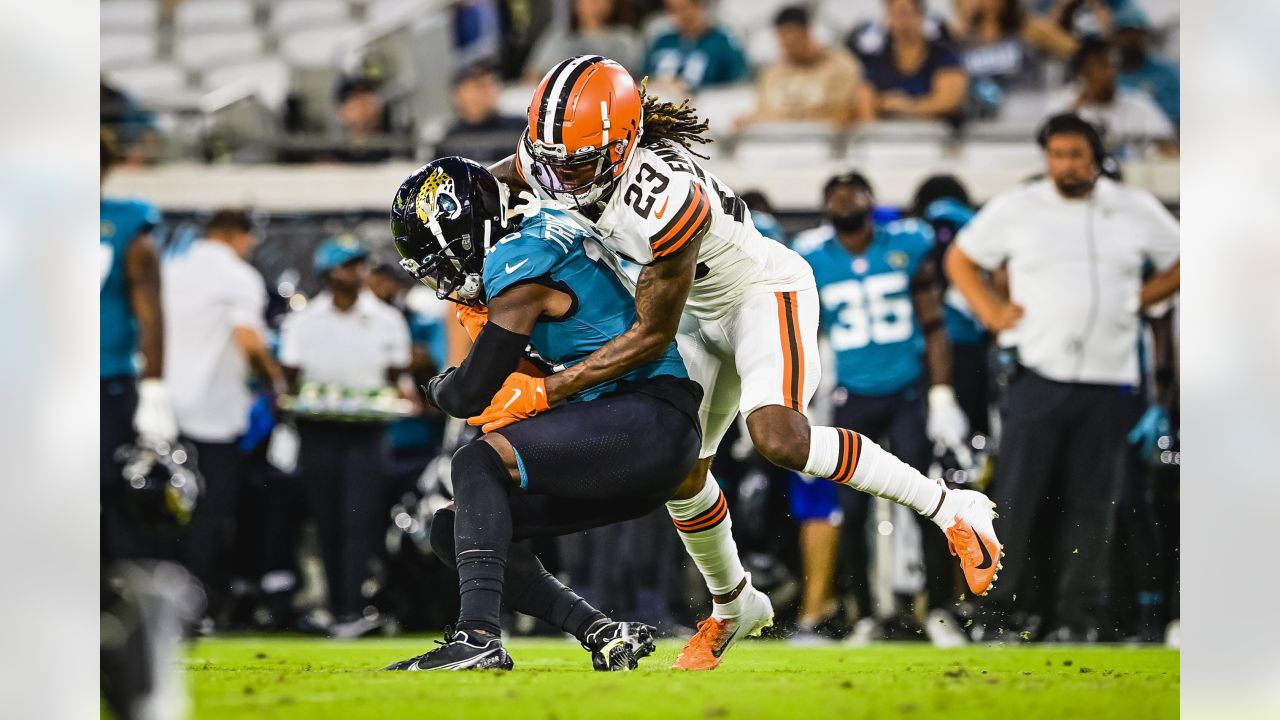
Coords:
pixel 445 218
pixel 161 486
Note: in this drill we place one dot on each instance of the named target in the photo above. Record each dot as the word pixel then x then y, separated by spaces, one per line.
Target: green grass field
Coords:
pixel 247 677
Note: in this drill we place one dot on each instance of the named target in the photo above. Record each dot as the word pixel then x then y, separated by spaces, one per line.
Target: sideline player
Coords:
pixel 542 282
pixel 883 314
pixel 130 321
pixel 144 601
pixel 748 335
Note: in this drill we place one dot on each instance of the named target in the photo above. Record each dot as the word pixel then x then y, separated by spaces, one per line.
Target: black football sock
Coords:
pixel 534 591
pixel 482 535
pixel 529 588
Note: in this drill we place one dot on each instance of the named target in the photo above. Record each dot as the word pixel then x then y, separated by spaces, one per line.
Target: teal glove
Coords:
pixel 1147 433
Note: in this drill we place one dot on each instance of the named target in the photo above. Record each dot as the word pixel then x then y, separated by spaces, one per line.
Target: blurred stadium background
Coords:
pixel 309 113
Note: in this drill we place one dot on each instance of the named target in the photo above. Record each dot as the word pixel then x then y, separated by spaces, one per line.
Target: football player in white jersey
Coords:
pixel 744 310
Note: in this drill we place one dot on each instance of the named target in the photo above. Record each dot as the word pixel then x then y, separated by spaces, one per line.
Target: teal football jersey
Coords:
pixel 867 311
pixel 120 221
pixel 550 248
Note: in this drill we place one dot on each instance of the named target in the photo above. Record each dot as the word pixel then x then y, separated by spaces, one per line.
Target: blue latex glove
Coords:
pixel 1153 425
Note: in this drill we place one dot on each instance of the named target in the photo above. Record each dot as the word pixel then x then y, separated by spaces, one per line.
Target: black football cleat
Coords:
pixel 619 645
pixel 460 651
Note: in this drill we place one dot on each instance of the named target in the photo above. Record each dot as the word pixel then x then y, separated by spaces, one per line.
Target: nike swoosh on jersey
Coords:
pixel 662 210
pixel 512 268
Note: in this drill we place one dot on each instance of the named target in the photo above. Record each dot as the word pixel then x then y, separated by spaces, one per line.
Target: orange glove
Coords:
pixel 521 397
pixel 472 319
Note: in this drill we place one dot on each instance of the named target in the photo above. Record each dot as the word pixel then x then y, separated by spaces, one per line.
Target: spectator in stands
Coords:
pixel 810 82
pixel 1139 69
pixel 362 117
pixel 477 30
pixel 911 76
pixel 479 132
pixel 596 27
pixel 215 327
pixel 1081 18
pixel 1003 48
pixel 1127 120
pixel 695 54
pixel 348 339
pixel 1075 244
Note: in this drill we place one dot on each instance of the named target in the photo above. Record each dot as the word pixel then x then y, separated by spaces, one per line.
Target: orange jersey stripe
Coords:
pixel 792 350
pixel 798 397
pixel 788 350
pixel 692 219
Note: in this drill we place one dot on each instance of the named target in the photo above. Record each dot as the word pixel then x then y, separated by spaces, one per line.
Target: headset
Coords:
pixel 1104 163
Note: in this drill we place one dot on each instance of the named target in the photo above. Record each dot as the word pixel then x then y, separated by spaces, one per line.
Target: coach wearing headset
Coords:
pixel 1076 245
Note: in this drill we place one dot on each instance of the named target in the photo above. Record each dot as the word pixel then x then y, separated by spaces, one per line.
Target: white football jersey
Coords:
pixel 662 202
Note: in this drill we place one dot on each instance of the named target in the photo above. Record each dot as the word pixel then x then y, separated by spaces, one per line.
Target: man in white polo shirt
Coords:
pixel 345 337
pixel 214 304
pixel 1076 246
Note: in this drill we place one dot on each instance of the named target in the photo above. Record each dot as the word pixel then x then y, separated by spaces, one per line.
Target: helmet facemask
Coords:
pixel 445 237
pixel 580 179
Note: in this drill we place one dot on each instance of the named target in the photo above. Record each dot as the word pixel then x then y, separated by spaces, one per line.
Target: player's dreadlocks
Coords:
pixel 668 122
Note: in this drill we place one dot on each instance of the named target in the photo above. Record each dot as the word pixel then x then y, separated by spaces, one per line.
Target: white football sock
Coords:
pixel 706 529
pixel 824 452
pixel 850 458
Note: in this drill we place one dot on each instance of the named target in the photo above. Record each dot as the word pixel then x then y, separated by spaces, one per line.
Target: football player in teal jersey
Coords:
pixel 612 452
pixel 883 315
pixel 134 410
pixel 134 402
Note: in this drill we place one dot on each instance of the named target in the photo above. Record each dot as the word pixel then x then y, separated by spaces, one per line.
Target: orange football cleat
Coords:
pixel 716 635
pixel 972 538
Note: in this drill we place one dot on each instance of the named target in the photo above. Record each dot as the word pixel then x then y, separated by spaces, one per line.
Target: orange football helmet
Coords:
pixel 584 127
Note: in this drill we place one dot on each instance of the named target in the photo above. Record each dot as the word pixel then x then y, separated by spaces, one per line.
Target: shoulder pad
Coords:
pixel 531 251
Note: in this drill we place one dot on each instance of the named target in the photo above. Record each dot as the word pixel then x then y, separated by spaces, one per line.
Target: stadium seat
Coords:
pixel 721 106
pixel 514 99
pixel 1164 14
pixel 209 49
pixel 291 15
pixel 150 81
pixel 206 15
pixel 127 48
pixel 1025 105
pixel 318 46
pixel 745 16
pixel 1003 153
pixel 269 77
pixel 842 15
pixel 388 11
pixel 128 15
pixel 798 141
